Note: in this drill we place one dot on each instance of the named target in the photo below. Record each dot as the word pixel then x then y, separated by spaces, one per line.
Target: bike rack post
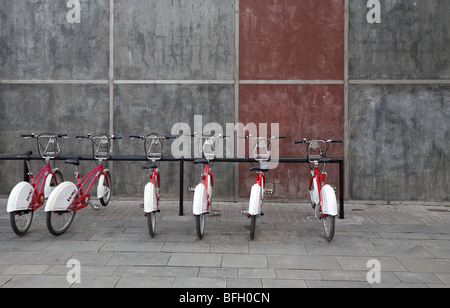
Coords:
pixel 180 208
pixel 341 189
pixel 26 176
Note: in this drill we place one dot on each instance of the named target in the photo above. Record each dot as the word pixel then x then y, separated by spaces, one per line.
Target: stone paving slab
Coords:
pixel 411 241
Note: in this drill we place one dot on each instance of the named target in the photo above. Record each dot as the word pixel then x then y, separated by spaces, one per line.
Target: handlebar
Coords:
pixel 262 138
pixel 326 141
pixel 33 135
pixel 212 136
pixel 153 136
pixel 89 136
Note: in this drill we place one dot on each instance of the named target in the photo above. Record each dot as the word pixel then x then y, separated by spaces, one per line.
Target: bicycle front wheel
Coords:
pixel 252 227
pixel 21 221
pixel 59 221
pixel 151 220
pixel 328 226
pixel 104 188
pixel 200 224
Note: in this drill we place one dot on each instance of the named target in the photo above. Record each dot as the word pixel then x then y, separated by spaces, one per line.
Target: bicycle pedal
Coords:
pixel 95 207
pixel 191 189
pixel 268 191
pixel 215 213
pixel 261 214
pixel 158 210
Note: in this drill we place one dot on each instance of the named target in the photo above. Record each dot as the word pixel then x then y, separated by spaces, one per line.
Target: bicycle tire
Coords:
pixel 107 186
pixel 59 221
pixel 21 221
pixel 252 227
pixel 200 225
pixel 328 224
pixel 151 220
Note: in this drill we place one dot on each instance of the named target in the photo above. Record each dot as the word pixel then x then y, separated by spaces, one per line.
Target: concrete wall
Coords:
pixel 399 103
pixel 318 68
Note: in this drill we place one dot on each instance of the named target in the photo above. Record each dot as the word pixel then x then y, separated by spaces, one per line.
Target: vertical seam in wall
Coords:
pixel 236 92
pixel 111 66
pixel 111 76
pixel 346 124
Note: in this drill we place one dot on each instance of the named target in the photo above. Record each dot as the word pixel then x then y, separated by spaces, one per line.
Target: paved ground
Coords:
pixel 411 242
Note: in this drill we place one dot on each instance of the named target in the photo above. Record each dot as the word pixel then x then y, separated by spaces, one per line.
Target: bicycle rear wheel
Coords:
pixel 21 221
pixel 328 226
pixel 59 221
pixel 151 220
pixel 200 224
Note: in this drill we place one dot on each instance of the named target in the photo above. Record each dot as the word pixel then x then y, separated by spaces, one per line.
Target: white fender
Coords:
pixel 61 197
pixel 210 188
pixel 20 197
pixel 313 193
pixel 47 188
pixel 102 190
pixel 329 204
pixel 199 205
pixel 150 198
pixel 255 199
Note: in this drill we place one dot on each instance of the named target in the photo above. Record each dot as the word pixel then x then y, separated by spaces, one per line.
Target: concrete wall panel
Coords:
pixel 37 41
pixel 398 148
pixel 142 109
pixel 24 109
pixel 174 39
pixel 411 42
pixel 291 39
pixel 301 111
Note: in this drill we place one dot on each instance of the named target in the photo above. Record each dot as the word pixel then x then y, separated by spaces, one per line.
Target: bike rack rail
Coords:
pixel 294 160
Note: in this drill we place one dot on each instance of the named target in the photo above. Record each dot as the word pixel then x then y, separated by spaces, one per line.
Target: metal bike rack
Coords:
pixel 293 160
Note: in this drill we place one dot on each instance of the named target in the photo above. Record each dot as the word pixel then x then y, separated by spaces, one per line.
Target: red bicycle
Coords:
pixel 323 197
pixel 153 147
pixel 27 197
pixel 68 198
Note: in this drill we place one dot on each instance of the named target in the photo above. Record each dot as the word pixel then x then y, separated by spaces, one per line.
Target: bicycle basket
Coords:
pixel 261 148
pixel 153 147
pixel 209 147
pixel 101 146
pixel 316 149
pixel 48 146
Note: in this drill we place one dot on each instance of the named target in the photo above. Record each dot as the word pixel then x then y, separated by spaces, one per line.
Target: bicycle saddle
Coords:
pixel 200 161
pixel 73 161
pixel 25 155
pixel 149 166
pixel 259 168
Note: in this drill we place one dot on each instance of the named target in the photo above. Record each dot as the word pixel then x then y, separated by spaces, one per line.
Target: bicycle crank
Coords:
pixel 95 207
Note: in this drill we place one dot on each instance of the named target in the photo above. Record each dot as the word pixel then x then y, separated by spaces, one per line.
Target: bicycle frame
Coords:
pixel 319 179
pixel 41 177
pixel 83 200
pixel 205 181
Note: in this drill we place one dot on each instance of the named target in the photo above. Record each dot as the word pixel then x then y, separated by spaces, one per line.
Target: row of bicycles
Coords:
pixel 63 199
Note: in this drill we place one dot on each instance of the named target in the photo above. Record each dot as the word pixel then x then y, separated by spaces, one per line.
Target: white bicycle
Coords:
pixel 261 149
pixel 153 147
pixel 203 192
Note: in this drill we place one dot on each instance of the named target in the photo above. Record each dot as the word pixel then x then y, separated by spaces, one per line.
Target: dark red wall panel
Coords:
pixel 301 111
pixel 291 39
